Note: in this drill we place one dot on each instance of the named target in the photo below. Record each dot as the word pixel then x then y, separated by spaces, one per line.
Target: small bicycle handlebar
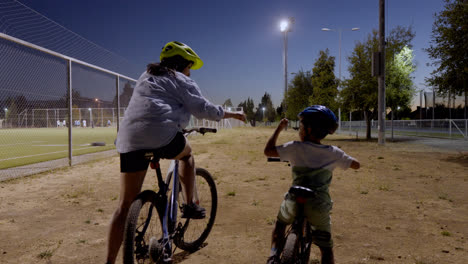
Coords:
pixel 273 159
pixel 201 130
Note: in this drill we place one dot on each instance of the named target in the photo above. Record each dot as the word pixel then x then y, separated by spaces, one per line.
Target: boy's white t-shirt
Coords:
pixel 311 155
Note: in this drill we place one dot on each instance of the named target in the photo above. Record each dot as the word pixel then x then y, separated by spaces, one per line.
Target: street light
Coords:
pixel 285 27
pixel 263 108
pixel 340 33
pixel 339 70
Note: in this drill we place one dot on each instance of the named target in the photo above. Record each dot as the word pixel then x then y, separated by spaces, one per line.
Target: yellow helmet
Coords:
pixel 174 48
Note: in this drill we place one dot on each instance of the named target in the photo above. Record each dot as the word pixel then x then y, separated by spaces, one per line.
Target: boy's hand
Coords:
pixel 283 123
pixel 270 148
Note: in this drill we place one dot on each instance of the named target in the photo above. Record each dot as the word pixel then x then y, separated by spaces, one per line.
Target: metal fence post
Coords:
pixel 118 104
pixel 450 128
pixel 70 113
pixel 339 120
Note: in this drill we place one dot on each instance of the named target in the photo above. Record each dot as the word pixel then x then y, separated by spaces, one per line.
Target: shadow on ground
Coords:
pixel 461 159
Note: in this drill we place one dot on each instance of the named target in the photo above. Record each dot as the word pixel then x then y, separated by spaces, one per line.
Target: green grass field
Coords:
pixel 31 145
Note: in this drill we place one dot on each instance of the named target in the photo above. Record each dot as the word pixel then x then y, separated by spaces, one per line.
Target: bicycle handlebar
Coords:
pixel 201 130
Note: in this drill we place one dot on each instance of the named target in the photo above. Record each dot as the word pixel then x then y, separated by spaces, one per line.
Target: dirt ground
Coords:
pixel 407 204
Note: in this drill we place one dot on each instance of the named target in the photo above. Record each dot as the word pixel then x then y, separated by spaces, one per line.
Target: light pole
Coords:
pixel 99 109
pixel 285 27
pixel 263 118
pixel 90 116
pixel 340 31
pixel 6 112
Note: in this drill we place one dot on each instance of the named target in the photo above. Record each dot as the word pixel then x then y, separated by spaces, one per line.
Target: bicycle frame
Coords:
pixel 300 225
pixel 169 219
pixel 302 229
pixel 165 205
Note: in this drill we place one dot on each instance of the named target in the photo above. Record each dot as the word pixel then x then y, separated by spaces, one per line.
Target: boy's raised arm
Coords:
pixel 270 148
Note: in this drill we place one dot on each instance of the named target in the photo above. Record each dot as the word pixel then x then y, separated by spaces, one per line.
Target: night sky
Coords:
pixel 239 41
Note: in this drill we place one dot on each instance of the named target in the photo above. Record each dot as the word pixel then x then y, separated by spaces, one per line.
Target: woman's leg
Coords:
pixel 130 186
pixel 187 171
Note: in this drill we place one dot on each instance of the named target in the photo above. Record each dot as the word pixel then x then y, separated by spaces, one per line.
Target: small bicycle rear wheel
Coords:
pixel 195 231
pixel 142 224
pixel 291 248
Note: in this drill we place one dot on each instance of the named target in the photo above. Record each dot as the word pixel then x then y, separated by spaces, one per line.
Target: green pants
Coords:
pixel 317 213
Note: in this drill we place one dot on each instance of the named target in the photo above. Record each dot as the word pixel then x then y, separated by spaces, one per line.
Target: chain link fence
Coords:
pixel 437 128
pixel 62 97
pixel 55 110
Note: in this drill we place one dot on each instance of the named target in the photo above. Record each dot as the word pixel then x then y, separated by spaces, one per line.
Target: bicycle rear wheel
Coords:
pixel 142 224
pixel 291 248
pixel 193 232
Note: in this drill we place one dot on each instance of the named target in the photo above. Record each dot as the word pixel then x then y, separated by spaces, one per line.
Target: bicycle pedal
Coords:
pixel 167 258
pixel 155 249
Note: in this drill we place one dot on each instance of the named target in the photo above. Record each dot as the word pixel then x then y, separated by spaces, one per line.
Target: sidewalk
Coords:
pixel 17 172
pixel 444 144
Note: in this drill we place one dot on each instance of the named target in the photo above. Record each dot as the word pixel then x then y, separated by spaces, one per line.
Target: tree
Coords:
pixel 299 91
pixel 449 48
pixel 11 115
pixel 76 98
pixel 125 95
pixel 248 107
pixel 324 82
pixel 269 113
pixel 399 84
pixel 227 103
pixel 360 91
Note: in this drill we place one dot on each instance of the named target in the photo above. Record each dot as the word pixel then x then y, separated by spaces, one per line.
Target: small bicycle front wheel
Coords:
pixel 193 232
pixel 142 224
pixel 291 248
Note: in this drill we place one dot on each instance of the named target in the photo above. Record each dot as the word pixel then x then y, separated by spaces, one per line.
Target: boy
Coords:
pixel 312 165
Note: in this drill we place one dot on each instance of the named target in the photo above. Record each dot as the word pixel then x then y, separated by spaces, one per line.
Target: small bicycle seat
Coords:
pixel 301 193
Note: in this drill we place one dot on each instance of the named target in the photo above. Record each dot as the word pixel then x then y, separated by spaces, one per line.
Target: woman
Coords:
pixel 161 105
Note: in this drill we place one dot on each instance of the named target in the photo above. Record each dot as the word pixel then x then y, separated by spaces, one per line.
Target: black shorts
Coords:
pixel 135 160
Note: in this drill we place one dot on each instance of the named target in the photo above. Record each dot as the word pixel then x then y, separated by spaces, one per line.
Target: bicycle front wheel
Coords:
pixel 142 224
pixel 193 232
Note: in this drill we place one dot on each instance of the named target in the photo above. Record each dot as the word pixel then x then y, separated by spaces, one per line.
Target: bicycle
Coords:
pixel 299 236
pixel 149 240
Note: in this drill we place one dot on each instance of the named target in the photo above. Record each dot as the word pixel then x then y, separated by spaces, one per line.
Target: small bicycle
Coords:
pixel 147 238
pixel 299 236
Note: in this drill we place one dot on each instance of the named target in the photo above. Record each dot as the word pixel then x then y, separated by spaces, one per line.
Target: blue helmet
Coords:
pixel 321 119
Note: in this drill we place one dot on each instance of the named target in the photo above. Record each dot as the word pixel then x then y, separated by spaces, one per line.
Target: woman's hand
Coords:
pixel 238 116
pixel 242 117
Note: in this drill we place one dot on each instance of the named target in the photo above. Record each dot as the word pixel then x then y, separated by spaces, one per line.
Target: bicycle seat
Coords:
pixel 301 192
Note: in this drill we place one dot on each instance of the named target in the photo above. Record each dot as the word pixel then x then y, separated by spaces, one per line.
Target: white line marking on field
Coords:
pixel 62 145
pixel 41 154
pixel 21 143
